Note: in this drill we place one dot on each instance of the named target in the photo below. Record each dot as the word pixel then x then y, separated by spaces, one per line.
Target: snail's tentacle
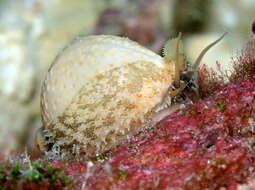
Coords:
pixel 203 52
pixel 173 51
pixel 192 75
pixel 169 51
pixel 177 64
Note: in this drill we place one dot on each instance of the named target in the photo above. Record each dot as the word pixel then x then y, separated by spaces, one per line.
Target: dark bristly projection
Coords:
pixel 253 27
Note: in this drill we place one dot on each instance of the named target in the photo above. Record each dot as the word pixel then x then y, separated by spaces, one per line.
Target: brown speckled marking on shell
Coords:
pixel 99 90
pixel 111 106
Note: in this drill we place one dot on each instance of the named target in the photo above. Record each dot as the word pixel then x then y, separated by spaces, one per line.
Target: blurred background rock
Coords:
pixel 32 32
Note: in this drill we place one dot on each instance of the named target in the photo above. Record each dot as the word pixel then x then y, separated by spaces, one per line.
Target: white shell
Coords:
pixel 89 79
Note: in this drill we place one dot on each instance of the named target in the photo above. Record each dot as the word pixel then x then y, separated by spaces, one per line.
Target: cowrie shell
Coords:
pixel 101 89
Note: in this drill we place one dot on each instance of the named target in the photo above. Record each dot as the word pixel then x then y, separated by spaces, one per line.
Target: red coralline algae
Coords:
pixel 206 145
pixel 244 68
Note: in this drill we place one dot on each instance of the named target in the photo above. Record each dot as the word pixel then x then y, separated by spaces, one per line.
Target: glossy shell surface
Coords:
pixel 100 91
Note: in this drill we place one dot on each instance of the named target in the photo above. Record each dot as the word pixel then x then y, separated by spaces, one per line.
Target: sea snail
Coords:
pixel 101 90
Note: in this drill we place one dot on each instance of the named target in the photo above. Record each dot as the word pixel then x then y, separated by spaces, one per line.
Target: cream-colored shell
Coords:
pixel 100 91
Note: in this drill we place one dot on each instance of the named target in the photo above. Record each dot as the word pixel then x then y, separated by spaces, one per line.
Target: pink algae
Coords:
pixel 209 144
